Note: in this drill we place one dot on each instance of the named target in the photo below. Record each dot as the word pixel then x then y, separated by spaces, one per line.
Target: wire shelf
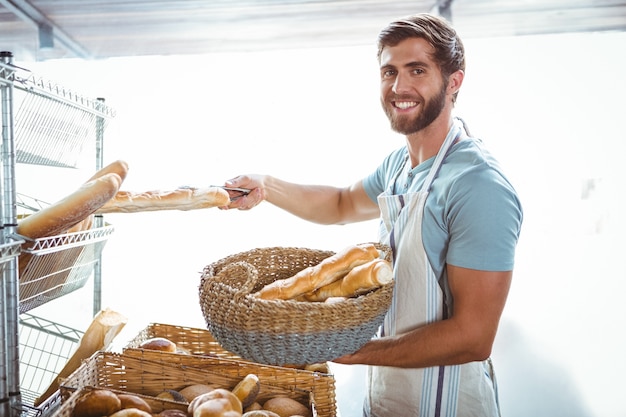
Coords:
pixel 52 124
pixel 9 251
pixel 45 347
pixel 58 265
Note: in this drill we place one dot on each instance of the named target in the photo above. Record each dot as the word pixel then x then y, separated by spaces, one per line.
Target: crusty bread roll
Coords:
pixel 131 412
pixel 286 407
pixel 359 280
pixel 255 406
pixel 73 209
pixel 171 395
pixel 158 343
pixel 328 270
pixel 172 412
pixel 218 400
pixel 192 391
pixel 97 403
pixel 179 199
pixel 134 401
pixel 260 413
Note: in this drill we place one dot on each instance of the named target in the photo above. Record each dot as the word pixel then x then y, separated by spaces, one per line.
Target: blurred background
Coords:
pixel 549 106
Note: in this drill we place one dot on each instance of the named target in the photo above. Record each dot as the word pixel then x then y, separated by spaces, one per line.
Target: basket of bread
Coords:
pixel 196 348
pixel 291 306
pixel 109 384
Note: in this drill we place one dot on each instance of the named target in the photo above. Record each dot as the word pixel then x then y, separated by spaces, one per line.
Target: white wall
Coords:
pixel 550 108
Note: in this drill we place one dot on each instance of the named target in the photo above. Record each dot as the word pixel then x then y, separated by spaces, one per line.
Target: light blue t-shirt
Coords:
pixel 473 216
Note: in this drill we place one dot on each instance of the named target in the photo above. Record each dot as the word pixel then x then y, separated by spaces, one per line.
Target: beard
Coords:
pixel 431 110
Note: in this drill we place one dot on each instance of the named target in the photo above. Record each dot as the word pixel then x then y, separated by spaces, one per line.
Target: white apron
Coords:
pixel 419 298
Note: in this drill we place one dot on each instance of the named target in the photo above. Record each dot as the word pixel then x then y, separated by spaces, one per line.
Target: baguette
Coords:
pixel 360 279
pixel 118 167
pixel 71 210
pixel 179 199
pixel 328 270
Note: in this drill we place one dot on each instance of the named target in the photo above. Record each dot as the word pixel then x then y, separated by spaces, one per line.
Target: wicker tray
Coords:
pixel 140 376
pixel 281 332
pixel 194 340
pixel 206 353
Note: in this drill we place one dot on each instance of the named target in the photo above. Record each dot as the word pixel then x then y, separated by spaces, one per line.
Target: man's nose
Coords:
pixel 401 84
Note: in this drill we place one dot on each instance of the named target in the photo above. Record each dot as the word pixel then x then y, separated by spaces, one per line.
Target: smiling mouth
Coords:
pixel 403 105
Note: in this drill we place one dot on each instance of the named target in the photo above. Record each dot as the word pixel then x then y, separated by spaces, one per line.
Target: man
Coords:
pixel 452 220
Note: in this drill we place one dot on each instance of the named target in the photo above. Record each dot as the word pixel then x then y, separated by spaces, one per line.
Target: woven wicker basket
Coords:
pixel 278 332
pixel 120 372
pixel 206 353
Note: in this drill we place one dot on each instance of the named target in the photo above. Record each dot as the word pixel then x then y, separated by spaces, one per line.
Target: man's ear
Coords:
pixel 455 81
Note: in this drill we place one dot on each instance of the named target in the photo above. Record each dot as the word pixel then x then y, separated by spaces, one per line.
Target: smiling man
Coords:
pixel 452 220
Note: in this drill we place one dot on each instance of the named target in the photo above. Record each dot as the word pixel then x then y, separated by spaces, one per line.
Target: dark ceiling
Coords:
pixel 47 29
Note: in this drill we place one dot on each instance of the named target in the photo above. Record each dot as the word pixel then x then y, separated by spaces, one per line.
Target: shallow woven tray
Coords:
pixel 194 340
pixel 279 332
pixel 140 376
pixel 206 353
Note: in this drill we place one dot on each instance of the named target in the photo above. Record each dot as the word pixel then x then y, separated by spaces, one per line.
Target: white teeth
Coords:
pixel 405 104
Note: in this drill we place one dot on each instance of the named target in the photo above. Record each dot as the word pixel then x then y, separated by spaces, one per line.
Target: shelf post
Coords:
pixel 10 397
pixel 99 220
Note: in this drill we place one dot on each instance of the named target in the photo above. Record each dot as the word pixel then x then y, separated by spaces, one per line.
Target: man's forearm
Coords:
pixel 440 343
pixel 315 203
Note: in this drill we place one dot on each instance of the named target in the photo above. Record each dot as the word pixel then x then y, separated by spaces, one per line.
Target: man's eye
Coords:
pixel 418 71
pixel 388 73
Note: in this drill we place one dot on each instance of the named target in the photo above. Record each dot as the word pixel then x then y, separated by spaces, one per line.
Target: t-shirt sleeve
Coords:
pixel 379 180
pixel 484 218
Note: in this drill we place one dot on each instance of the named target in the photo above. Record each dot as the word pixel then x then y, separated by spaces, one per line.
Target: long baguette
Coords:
pixel 179 199
pixel 328 270
pixel 118 167
pixel 360 279
pixel 72 209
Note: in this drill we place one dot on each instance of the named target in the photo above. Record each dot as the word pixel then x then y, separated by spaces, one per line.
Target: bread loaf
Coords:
pixel 247 389
pixel 179 199
pixel 73 209
pixel 81 226
pixel 359 280
pixel 118 167
pixel 314 277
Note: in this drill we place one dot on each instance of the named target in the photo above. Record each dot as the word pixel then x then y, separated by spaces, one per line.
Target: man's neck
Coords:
pixel 426 143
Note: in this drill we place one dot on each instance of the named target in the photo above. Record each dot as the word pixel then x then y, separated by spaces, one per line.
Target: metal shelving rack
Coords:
pixel 52 126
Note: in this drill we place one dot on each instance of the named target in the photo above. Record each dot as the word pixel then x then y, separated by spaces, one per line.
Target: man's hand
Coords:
pixel 241 200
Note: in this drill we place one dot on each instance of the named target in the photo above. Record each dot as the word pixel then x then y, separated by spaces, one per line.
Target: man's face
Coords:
pixel 413 94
